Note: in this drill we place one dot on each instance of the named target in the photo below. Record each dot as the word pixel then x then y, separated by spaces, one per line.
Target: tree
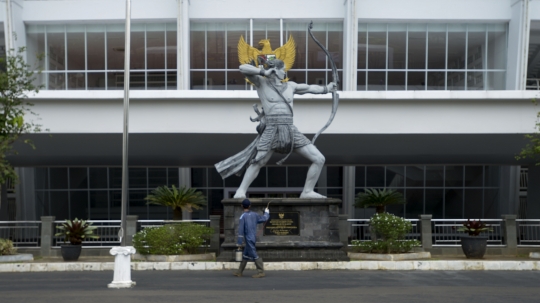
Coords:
pixel 378 198
pixel 16 82
pixel 179 199
pixel 532 149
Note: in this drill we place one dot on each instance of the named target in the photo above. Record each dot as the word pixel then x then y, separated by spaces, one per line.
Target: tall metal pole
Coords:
pixel 125 175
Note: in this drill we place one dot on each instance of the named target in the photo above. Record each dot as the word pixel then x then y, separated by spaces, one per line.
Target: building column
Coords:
pixel 182 45
pixel 25 194
pixel 347 206
pixel 518 45
pixel 510 234
pixel 350 47
pixel 47 233
pixel 509 189
pixel 184 180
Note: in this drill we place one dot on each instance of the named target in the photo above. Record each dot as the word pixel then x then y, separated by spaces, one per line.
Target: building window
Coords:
pixel 533 62
pixel 432 56
pixel 91 56
pixel 446 192
pixel 214 55
pixel 95 192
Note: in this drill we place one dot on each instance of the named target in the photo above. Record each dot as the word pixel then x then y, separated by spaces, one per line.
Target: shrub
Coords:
pixel 6 247
pixel 171 239
pixel 390 231
pixel 474 228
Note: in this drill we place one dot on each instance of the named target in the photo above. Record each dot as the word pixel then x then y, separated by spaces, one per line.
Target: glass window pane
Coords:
pixel 375 176
pixel 395 176
pixel 334 176
pixel 35 43
pixel 434 176
pixel 296 176
pixel 437 46
pixel 59 177
pixel 335 43
pixel 233 181
pixel 214 201
pixel 198 177
pixel 376 46
pixel 98 177
pixel 474 203
pixel 155 80
pixel 316 57
pixel 475 80
pixel 397 209
pixel 415 176
pixel 260 181
pixel 115 80
pixel 214 178
pixel 434 203
pixel 497 42
pixel 416 80
pixel 397 41
pixel 215 80
pixel 137 60
pixel 171 48
pixel 360 176
pixel 75 49
pixel 197 46
pixel 60 205
pixel 236 81
pixel 376 81
pixel 157 177
pixel 456 46
pixel 215 45
pixel 496 80
pixel 76 81
pixel 454 176
pixel 173 177
pixel 115 202
pixel 115 177
pixel 277 176
pixel 95 53
pixel 79 205
pixel 415 203
pixel 491 203
pixel 298 77
pixel 361 81
pixel 491 176
pixel 474 176
pixel 455 81
pixel 56 48
pixel 96 80
pixel 476 41
pixel 317 78
pixel 41 178
pixel 99 205
pixel 197 81
pixel 453 204
pixel 362 46
pixel 171 80
pixel 234 31
pixel 417 46
pixel 115 47
pixel 136 80
pixel 299 33
pixel 155 46
pixel 137 178
pixel 396 81
pixel 137 205
pixel 78 178
pixel 435 80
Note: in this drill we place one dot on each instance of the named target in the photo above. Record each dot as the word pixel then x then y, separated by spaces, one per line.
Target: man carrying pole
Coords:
pixel 247 231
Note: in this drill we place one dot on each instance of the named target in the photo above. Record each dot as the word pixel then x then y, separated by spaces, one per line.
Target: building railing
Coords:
pixel 107 230
pixel 528 232
pixel 362 232
pixel 445 231
pixel 22 233
pixel 532 84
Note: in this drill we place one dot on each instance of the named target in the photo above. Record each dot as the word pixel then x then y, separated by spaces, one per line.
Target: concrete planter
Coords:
pixel 17 258
pixel 174 258
pixel 474 247
pixel 70 252
pixel 390 257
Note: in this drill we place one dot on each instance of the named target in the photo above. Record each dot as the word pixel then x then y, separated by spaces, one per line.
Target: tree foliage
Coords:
pixel 532 149
pixel 378 198
pixel 179 199
pixel 16 82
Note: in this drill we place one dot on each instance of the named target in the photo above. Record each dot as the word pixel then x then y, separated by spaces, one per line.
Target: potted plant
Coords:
pixel 179 199
pixel 74 232
pixel 378 198
pixel 473 245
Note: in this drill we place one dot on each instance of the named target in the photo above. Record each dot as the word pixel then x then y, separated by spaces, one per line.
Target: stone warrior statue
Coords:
pixel 276 131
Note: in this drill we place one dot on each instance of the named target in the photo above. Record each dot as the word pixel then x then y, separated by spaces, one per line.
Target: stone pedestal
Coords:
pixel 122 267
pixel 298 230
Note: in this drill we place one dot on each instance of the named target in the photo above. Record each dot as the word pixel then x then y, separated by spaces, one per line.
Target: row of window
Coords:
pixel 390 56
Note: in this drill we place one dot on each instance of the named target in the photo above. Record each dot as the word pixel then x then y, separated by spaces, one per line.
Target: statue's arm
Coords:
pixel 253 73
pixel 314 89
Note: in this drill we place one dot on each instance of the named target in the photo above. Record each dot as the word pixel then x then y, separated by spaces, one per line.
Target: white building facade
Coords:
pixel 435 100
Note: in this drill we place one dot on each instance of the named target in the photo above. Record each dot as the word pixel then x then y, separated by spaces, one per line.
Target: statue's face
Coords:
pixel 280 73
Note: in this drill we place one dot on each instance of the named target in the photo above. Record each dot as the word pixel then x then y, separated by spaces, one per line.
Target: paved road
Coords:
pixel 278 286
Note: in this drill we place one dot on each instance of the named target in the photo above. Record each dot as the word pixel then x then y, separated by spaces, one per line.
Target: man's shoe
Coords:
pixel 259 275
pixel 238 274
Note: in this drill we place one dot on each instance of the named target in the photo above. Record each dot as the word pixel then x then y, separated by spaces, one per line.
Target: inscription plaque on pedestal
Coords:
pixel 283 224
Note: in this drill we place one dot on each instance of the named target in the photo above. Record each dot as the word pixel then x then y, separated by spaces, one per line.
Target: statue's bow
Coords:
pixel 335 79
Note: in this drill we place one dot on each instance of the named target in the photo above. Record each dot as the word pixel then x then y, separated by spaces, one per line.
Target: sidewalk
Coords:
pixel 51 264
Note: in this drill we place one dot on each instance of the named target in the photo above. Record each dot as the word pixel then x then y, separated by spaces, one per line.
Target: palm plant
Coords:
pixel 179 199
pixel 75 231
pixel 378 198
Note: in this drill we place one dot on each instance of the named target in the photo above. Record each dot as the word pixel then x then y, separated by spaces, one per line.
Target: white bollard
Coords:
pixel 122 267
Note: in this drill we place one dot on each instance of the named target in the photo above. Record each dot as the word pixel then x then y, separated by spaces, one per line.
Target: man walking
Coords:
pixel 247 231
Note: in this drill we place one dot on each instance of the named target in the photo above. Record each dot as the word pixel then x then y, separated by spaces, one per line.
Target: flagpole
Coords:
pixel 125 173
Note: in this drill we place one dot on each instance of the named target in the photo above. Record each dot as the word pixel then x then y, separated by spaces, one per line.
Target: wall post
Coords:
pixel 425 231
pixel 214 240
pixel 510 233
pixel 131 228
pixel 47 233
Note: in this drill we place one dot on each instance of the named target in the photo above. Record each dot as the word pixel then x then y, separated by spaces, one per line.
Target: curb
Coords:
pixel 271 266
